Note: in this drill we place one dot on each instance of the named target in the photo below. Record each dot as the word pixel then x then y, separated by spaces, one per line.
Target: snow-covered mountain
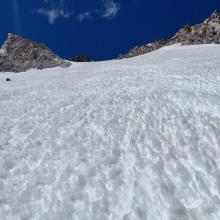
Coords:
pixel 134 139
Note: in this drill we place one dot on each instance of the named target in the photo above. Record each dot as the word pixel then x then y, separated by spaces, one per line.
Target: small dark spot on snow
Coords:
pixel 8 79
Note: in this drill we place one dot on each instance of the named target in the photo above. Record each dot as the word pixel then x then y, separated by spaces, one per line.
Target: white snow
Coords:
pixel 134 139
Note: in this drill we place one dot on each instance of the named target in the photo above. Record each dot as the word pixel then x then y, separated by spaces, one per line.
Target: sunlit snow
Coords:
pixel 134 139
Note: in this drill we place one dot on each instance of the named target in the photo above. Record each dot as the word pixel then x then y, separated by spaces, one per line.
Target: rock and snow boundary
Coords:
pixel 134 139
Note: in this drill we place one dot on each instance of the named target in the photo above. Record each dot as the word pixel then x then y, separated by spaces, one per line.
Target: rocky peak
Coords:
pixel 19 54
pixel 12 38
pixel 215 15
pixel 205 33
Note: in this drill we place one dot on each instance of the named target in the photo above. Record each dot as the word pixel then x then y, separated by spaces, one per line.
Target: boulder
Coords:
pixel 79 59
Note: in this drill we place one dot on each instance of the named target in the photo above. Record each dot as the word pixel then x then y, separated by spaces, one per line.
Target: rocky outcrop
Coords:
pixel 18 55
pixel 144 49
pixel 79 59
pixel 205 33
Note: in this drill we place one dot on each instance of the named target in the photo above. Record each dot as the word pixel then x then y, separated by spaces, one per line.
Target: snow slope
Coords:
pixel 134 139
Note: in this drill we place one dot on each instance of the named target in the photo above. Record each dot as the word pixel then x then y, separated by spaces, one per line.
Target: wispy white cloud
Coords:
pixel 53 14
pixel 55 9
pixel 83 16
pixel 111 8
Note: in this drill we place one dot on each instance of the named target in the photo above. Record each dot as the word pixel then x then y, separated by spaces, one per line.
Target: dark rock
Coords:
pixel 144 49
pixel 18 55
pixel 8 79
pixel 205 33
pixel 79 59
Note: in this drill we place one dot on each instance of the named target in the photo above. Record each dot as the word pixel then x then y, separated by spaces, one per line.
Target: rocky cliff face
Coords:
pixel 18 55
pixel 205 33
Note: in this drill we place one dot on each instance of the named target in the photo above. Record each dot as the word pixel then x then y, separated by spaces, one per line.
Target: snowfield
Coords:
pixel 134 139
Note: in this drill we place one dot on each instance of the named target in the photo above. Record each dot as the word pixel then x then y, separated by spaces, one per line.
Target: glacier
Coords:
pixel 133 139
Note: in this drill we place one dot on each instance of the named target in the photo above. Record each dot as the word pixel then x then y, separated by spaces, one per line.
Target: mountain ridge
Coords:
pixel 204 33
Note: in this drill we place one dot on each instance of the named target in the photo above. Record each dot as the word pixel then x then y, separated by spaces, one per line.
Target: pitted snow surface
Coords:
pixel 135 139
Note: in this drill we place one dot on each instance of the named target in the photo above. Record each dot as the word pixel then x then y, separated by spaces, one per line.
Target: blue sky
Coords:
pixel 100 29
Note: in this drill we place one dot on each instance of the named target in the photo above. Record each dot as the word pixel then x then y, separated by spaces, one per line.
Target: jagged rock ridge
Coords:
pixel 144 49
pixel 18 55
pixel 205 33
